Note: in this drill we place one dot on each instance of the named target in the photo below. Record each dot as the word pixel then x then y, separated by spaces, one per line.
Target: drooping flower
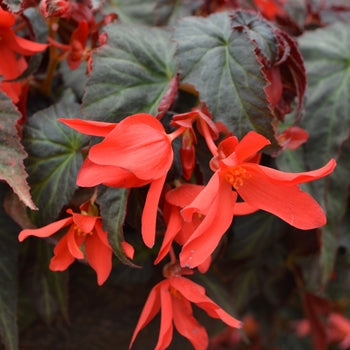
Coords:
pixel 12 50
pixel 260 187
pixel 173 296
pixel 85 229
pixel 135 152
pixel 177 229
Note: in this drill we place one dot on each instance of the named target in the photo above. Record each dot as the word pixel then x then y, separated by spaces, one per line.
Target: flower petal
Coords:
pixel 91 174
pixel 196 294
pixel 183 195
pixel 173 227
pixel 288 202
pixel 166 318
pixel 89 127
pixel 298 178
pixel 207 236
pixel 62 257
pixel 45 231
pixel 74 240
pixel 149 214
pixel 250 144
pixel 85 223
pixel 149 310
pixel 187 325
pixel 138 144
pixel 99 257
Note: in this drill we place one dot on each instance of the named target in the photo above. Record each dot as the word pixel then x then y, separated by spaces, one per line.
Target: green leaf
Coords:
pixel 131 73
pixel 113 203
pixel 326 53
pixel 134 11
pixel 54 159
pixel 221 64
pixel 169 11
pixel 12 153
pixel 8 278
pixel 259 31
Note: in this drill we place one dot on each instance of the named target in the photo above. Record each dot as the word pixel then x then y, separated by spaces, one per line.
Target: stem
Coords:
pixel 208 139
pixel 172 136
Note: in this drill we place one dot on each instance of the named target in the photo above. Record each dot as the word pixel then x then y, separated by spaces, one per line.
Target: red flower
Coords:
pixel 85 228
pixel 173 296
pixel 177 229
pixel 135 152
pixel 12 65
pixel 260 187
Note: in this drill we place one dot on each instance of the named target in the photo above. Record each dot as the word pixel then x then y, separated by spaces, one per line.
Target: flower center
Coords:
pixel 236 175
pixel 80 232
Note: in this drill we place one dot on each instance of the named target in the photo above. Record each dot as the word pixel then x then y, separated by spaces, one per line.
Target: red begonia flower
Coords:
pixel 12 64
pixel 85 228
pixel 260 187
pixel 292 137
pixel 338 330
pixel 177 229
pixel 173 296
pixel 135 152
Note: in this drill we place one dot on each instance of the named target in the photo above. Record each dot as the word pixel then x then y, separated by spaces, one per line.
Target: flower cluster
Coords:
pixel 138 152
pixel 186 213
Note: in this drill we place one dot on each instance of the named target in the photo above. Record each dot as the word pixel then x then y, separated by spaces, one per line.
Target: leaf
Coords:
pixel 220 63
pixel 259 31
pixel 134 11
pixel 169 11
pixel 54 159
pixel 326 53
pixel 113 203
pixel 130 74
pixel 8 278
pixel 12 153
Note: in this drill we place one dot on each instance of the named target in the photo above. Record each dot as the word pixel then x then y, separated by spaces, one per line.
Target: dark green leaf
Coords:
pixel 54 158
pixel 131 73
pixel 169 11
pixel 8 278
pixel 222 66
pixel 12 153
pixel 113 202
pixel 134 11
pixel 259 31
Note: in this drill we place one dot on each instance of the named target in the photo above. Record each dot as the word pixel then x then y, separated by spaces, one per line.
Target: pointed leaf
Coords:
pixel 113 202
pixel 8 278
pixel 12 153
pixel 221 64
pixel 54 158
pixel 259 31
pixel 131 73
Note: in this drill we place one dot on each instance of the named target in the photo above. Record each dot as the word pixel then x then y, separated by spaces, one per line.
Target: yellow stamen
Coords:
pixel 236 175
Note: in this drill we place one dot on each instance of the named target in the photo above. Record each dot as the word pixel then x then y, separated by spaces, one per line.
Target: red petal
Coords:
pixel 243 208
pixel 62 257
pixel 45 231
pixel 99 256
pixel 187 325
pixel 138 144
pixel 91 174
pixel 89 127
pixel 183 195
pixel 207 236
pixel 298 178
pixel 128 249
pixel 149 214
pixel 149 310
pixel 250 144
pixel 7 19
pixel 85 223
pixel 196 294
pixel 174 225
pixel 166 318
pixel 286 201
pixel 74 241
